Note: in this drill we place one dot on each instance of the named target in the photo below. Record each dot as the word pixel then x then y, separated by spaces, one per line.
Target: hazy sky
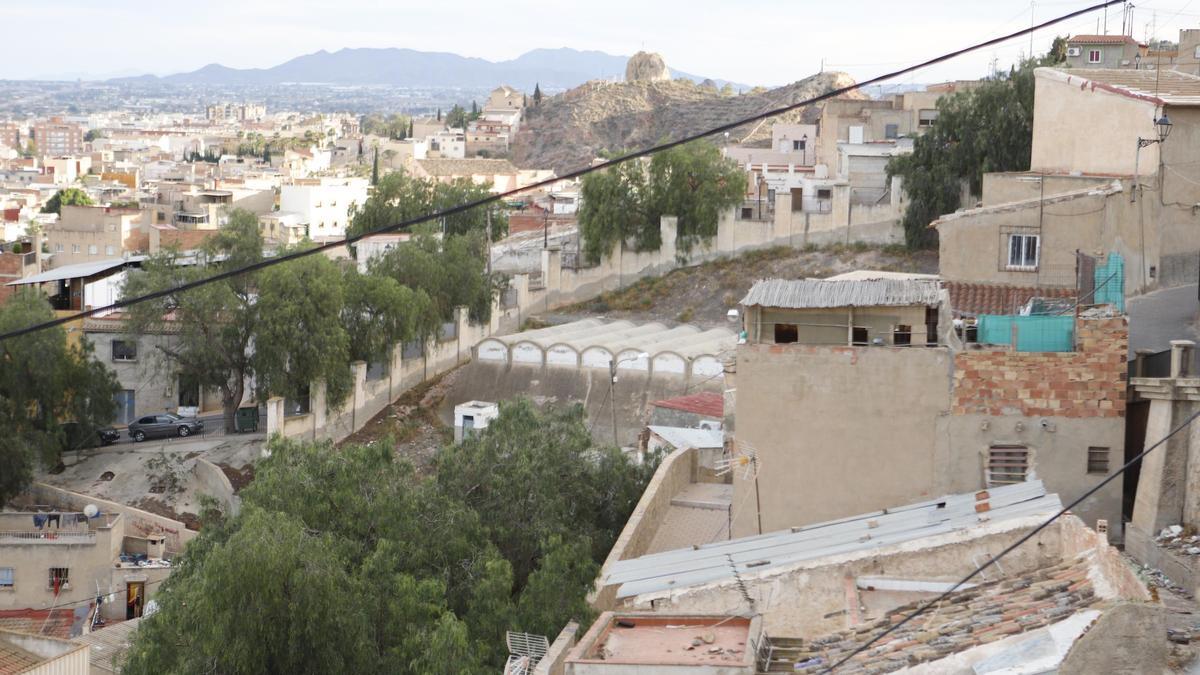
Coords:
pixel 776 41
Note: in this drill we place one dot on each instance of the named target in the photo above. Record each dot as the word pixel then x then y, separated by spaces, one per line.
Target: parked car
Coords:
pixel 75 437
pixel 162 425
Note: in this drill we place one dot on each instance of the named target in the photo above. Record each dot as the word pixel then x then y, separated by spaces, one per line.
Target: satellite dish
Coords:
pixel 91 510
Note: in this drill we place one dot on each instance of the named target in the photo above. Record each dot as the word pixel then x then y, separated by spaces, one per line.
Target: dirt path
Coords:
pixel 411 424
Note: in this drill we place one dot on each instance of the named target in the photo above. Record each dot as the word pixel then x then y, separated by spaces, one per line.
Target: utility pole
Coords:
pixel 612 396
pixel 489 242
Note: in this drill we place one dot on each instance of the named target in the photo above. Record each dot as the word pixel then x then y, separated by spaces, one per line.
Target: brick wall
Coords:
pixel 1088 382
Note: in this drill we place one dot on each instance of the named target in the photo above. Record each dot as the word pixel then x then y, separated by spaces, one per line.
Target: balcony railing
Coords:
pixel 47 537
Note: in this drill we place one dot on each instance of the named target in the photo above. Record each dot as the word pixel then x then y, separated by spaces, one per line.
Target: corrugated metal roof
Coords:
pixel 816 293
pixel 81 270
pixel 753 555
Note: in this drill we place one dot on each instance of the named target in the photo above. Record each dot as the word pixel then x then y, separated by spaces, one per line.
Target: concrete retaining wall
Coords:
pixel 556 286
pixel 138 523
pixel 673 474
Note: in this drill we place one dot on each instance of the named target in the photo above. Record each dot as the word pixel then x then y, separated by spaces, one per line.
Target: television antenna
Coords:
pixel 525 651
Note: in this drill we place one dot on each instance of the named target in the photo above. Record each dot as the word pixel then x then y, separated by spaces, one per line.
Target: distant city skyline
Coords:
pixel 777 43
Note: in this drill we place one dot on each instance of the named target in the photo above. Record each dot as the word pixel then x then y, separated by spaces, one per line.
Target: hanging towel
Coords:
pixel 39 520
pixel 53 518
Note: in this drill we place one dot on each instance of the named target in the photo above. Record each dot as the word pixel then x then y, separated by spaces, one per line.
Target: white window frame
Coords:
pixel 1022 263
pixel 1095 56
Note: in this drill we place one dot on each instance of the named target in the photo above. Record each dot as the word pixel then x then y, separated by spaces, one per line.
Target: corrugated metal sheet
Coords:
pixel 81 270
pixel 683 437
pixel 818 293
pixel 754 555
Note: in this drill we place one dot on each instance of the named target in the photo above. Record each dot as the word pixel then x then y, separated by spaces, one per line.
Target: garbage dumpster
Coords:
pixel 246 419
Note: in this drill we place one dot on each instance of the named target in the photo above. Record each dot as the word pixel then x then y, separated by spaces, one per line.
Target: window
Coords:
pixel 799 145
pixel 859 336
pixel 149 419
pixel 891 131
pixel 124 350
pixel 92 250
pixel 824 193
pixel 926 117
pixel 902 335
pixel 786 333
pixel 110 250
pixel 1097 460
pixel 1023 251
pixel 58 248
pixel 74 248
pixel 1093 56
pixel 60 577
pixel 1007 464
pixel 6 577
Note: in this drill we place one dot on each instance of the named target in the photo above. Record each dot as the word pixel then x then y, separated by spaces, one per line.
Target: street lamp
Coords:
pixel 612 381
pixel 1162 127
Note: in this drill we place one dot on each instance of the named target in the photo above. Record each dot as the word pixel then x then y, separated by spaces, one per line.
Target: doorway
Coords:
pixel 135 598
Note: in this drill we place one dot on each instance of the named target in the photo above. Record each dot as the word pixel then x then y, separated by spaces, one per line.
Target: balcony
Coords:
pixel 52 527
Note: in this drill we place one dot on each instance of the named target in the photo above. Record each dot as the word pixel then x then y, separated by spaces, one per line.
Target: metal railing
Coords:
pixel 67 536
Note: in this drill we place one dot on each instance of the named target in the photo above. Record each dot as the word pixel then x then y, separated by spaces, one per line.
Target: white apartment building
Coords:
pixel 323 204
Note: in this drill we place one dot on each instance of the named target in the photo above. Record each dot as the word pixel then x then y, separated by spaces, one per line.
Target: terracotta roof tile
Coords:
pixel 991 611
pixel 59 624
pixel 974 298
pixel 706 403
pixel 1101 40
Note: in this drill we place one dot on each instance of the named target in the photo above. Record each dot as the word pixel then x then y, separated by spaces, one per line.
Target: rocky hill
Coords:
pixel 567 131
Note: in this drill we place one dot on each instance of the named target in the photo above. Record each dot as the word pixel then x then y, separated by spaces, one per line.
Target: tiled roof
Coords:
pixel 707 403
pixel 15 660
pixel 1101 40
pixel 1155 86
pixel 467 167
pixel 59 624
pixel 986 613
pixel 973 299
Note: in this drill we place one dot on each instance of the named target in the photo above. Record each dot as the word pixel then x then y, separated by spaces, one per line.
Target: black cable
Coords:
pixel 1029 535
pixel 93 598
pixel 126 302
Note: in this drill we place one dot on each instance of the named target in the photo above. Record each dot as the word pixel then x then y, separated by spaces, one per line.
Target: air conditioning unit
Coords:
pixel 1074 51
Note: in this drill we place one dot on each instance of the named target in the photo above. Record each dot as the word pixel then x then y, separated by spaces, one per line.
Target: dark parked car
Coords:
pixel 165 424
pixel 76 437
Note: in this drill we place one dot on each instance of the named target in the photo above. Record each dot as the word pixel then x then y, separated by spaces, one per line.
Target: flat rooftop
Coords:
pixel 669 640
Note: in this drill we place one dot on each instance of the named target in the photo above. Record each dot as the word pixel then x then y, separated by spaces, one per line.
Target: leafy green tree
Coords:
pixel 378 313
pixel 457 117
pixel 451 272
pixel 375 168
pixel 984 129
pixel 93 134
pixel 271 328
pixel 44 382
pixel 344 560
pixel 67 197
pixel 537 94
pixel 400 196
pixel 625 203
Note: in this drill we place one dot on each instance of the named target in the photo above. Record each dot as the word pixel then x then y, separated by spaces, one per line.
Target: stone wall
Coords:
pixel 1088 382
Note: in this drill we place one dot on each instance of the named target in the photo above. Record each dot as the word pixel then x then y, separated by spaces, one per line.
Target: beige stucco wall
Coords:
pixel 1078 127
pixel 89 560
pixel 838 430
pixel 973 245
pixel 830 326
pixel 1003 188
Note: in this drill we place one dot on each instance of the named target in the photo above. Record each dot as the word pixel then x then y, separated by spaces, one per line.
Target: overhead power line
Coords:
pixel 1012 547
pixel 577 173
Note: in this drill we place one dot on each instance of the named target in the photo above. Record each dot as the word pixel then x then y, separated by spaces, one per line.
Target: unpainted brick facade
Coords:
pixel 1088 382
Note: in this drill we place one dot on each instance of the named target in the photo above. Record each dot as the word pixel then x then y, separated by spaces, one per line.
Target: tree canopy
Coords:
pixel 67 197
pixel 394 126
pixel 451 272
pixel 270 328
pixel 400 196
pixel 344 560
pixel 983 129
pixel 625 203
pixel 45 382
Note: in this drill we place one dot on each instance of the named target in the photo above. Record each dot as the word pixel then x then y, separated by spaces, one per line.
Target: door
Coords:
pixel 125 403
pixel 135 598
pixel 797 199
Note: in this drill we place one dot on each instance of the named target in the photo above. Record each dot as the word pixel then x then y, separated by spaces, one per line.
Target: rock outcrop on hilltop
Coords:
pixel 569 130
pixel 646 67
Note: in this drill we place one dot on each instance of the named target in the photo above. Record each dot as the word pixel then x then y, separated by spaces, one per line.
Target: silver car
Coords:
pixel 162 425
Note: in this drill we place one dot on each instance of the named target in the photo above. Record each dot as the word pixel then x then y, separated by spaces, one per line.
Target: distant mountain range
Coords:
pixel 553 69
